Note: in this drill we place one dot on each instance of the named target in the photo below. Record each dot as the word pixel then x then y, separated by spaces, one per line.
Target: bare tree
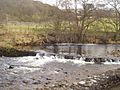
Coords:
pixel 76 14
pixel 57 18
pixel 84 17
pixel 66 6
pixel 115 19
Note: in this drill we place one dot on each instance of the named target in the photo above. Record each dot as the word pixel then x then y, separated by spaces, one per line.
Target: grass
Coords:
pixel 104 25
pixel 98 25
pixel 22 33
pixel 27 28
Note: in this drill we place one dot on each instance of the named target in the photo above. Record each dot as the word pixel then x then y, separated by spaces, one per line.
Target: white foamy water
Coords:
pixel 33 63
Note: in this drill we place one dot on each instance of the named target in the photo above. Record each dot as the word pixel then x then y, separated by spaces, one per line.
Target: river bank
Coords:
pixel 12 52
pixel 27 38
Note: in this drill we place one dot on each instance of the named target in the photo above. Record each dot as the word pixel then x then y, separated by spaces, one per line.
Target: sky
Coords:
pixel 51 2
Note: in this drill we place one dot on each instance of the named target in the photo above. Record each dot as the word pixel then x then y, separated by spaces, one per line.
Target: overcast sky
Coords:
pixel 51 2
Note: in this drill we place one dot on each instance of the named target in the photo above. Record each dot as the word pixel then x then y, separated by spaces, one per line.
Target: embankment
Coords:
pixel 11 52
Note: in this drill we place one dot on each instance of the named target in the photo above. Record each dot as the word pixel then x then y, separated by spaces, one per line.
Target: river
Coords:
pixel 31 73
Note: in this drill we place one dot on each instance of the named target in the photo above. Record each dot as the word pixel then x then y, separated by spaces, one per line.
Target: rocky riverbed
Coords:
pixel 30 73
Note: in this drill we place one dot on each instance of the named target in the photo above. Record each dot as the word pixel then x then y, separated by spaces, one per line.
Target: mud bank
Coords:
pixel 103 81
pixel 11 52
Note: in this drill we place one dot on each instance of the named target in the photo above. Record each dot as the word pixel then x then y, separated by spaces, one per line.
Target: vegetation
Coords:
pixel 26 10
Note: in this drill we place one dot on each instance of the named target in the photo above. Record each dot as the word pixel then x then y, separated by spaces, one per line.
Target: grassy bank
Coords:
pixel 36 35
pixel 21 35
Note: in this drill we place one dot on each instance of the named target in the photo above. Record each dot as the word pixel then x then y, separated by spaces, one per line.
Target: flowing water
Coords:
pixel 20 70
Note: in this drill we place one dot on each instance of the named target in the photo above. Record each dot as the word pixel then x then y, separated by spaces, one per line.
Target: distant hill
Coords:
pixel 26 10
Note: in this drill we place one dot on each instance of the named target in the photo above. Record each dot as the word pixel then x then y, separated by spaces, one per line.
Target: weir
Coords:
pixel 88 50
pixel 65 48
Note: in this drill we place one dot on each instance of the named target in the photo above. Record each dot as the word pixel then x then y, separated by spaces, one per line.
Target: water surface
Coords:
pixel 90 50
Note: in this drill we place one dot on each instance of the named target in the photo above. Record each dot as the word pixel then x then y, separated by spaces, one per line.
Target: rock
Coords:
pixel 65 72
pixel 48 79
pixel 98 60
pixel 25 81
pixel 77 79
pixel 57 70
pixel 88 59
pixel 61 68
pixel 47 83
pixel 37 82
pixel 69 57
pixel 11 67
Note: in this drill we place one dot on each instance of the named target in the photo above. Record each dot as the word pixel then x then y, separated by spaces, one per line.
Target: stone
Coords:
pixel 11 67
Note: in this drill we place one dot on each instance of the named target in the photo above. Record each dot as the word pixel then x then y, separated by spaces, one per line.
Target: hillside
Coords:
pixel 26 10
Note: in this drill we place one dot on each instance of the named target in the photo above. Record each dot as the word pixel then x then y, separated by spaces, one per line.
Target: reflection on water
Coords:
pixel 92 50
